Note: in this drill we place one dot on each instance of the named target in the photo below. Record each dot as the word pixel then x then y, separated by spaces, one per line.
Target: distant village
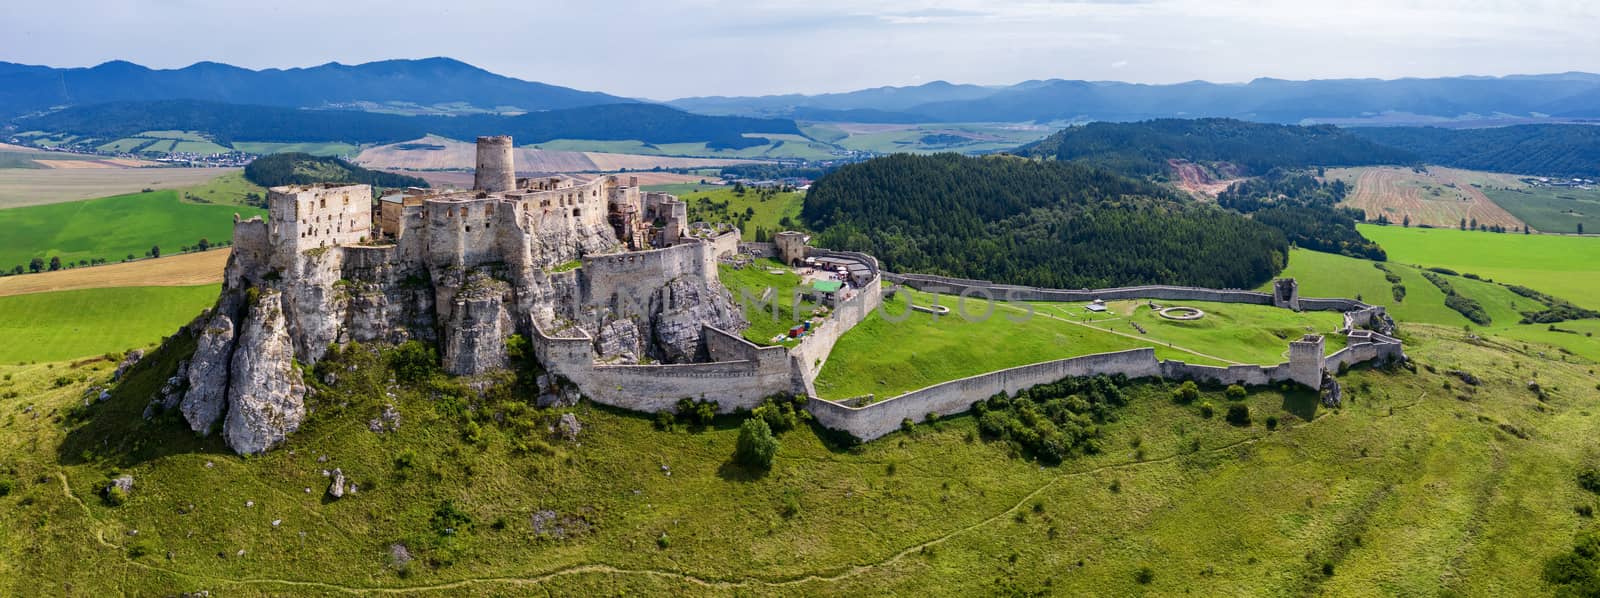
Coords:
pixel 1573 183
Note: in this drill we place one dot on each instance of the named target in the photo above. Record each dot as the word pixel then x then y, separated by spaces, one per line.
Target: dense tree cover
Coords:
pixel 304 169
pixel 226 123
pixel 1537 150
pixel 1053 421
pixel 1057 224
pixel 1143 148
pixel 1304 208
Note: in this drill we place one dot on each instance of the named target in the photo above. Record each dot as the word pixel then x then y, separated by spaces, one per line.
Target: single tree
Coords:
pixel 17 270
pixel 55 263
pixel 204 244
pixel 756 446
pixel 35 264
pixel 1406 221
pixel 155 251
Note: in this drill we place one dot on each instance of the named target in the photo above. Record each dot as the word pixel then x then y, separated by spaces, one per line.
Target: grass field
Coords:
pixel 1405 491
pixel 1437 197
pixel 1561 266
pixel 24 187
pixel 924 138
pixel 72 324
pixel 753 282
pixel 764 210
pixel 315 149
pixel 181 270
pixel 1549 209
pixel 113 227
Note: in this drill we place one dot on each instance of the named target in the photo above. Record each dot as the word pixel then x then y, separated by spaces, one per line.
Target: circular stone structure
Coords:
pixel 1182 313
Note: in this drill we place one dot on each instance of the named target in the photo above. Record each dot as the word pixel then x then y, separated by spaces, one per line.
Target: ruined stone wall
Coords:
pixel 637 274
pixel 759 249
pixel 812 351
pixel 982 289
pixel 957 396
pixel 1245 375
pixel 725 244
pixel 305 217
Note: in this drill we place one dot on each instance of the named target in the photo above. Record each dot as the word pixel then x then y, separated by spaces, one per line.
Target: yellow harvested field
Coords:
pixel 181 270
pixel 6 147
pixel 436 153
pixel 31 187
pixel 1439 197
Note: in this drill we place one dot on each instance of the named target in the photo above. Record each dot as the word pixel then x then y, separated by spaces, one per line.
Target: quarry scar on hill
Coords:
pixel 617 295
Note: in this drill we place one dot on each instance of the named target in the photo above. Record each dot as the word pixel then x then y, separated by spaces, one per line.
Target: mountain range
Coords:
pixel 1415 101
pixel 430 82
pixel 448 86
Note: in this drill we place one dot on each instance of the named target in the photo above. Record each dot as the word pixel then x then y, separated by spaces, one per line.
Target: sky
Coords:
pixel 664 49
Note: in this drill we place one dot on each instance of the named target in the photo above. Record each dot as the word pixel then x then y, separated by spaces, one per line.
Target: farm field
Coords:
pixel 315 149
pixel 925 138
pixel 1404 490
pixel 32 187
pixel 64 325
pixel 782 146
pixel 1550 209
pixel 765 210
pixel 231 188
pixel 1559 265
pixel 1439 197
pixel 113 227
pixel 181 270
pixel 439 153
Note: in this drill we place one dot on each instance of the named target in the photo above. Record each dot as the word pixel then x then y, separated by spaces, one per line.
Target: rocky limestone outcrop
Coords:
pixel 619 341
pixel 475 340
pixel 207 398
pixel 681 308
pixel 266 398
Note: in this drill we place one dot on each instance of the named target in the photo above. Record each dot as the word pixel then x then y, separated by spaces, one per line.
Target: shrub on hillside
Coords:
pixel 1187 392
pixel 756 446
pixel 1238 414
pixel 1206 410
pixel 1053 421
pixel 1589 479
pixel 1234 392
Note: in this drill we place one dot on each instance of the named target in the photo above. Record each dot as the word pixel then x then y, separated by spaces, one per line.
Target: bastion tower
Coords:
pixel 496 171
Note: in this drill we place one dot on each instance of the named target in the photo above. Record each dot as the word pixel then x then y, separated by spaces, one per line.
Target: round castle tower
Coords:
pixel 496 169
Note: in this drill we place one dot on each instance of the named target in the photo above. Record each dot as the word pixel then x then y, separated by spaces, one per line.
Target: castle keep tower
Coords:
pixel 1286 293
pixel 1307 361
pixel 792 246
pixel 496 169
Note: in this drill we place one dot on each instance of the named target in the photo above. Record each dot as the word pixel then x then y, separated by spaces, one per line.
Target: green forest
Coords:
pixel 1537 150
pixel 1303 207
pixel 1044 223
pixel 1143 148
pixel 295 168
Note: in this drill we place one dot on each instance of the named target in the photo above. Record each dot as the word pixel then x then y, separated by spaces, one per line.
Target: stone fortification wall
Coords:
pixel 1364 348
pixel 812 352
pixel 725 244
pixel 957 396
pixel 1311 304
pixel 1245 375
pixel 638 274
pixel 759 249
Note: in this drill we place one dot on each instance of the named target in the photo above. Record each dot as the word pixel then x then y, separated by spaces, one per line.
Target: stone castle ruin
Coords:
pixel 617 296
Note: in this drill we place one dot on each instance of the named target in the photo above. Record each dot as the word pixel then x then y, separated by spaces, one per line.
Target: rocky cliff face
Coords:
pixel 278 309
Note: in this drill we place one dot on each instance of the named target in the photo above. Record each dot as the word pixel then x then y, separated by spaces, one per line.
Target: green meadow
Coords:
pixel 1559 265
pixel 1411 488
pixel 752 209
pixel 64 325
pixel 114 227
pixel 1550 209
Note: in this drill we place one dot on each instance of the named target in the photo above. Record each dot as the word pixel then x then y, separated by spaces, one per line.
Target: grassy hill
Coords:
pixel 114 227
pixel 294 168
pixel 1408 489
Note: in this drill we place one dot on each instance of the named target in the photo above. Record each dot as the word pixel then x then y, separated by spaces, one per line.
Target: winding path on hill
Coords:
pixel 1142 339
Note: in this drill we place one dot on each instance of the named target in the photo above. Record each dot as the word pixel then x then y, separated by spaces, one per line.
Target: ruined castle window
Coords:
pixel 324 202
pixel 451 212
pixel 575 213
